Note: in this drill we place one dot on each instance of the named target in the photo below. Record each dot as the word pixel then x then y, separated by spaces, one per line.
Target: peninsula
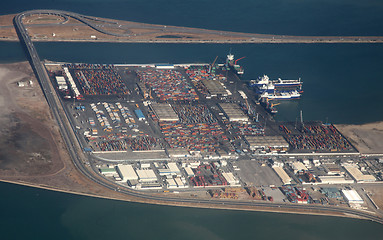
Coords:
pixel 176 134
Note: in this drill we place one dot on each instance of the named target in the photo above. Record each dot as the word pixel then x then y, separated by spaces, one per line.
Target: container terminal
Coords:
pixel 184 128
pixel 120 138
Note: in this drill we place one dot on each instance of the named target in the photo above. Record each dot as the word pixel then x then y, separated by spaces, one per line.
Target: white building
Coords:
pixel 146 175
pixel 334 180
pixel 189 171
pixel 126 172
pixel 298 166
pixel 352 196
pixel 282 175
pixel 230 178
pixel 171 183
pixel 174 168
pixel 179 182
pixel 358 176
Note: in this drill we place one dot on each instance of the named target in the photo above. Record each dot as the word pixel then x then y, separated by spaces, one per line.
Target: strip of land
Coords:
pixel 43 27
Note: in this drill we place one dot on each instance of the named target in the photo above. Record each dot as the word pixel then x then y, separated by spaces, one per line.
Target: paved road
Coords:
pixel 90 172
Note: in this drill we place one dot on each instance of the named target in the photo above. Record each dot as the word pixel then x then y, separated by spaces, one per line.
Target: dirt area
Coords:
pixel 376 193
pixel 73 30
pixel 7 20
pixel 367 138
pixel 31 149
pixel 7 31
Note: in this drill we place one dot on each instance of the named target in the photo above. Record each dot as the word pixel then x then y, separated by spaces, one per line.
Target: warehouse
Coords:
pixel 146 175
pixel 174 168
pixel 171 183
pixel 179 182
pixel 108 171
pixel 297 167
pixel 332 169
pixel 334 180
pixel 189 172
pixel 126 172
pixel 214 87
pixel 177 152
pixel 165 66
pixel 61 83
pixel 233 112
pixel 267 142
pixel 282 175
pixel 352 196
pixel 358 176
pixel 230 178
pixel 164 112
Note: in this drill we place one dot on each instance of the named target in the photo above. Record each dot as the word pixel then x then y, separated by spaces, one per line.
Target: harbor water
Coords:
pixel 342 84
pixel 29 213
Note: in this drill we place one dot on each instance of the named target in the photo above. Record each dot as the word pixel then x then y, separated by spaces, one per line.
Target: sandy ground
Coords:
pixel 31 148
pixel 367 138
pixel 74 31
pixel 376 193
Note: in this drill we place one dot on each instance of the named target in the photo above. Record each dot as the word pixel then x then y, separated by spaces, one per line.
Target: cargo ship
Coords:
pixel 232 64
pixel 281 95
pixel 265 84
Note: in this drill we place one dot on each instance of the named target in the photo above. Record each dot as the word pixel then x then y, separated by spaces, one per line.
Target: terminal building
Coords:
pixel 164 112
pixel 233 112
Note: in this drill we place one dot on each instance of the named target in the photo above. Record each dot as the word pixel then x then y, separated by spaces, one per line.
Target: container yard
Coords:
pixel 315 137
pixel 296 194
pixel 167 84
pixel 207 82
pixel 194 128
pixel 152 108
pixel 97 79
pixel 164 112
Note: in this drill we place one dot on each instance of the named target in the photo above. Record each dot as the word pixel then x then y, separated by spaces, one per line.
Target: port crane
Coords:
pixel 274 104
pixel 211 66
pixel 235 62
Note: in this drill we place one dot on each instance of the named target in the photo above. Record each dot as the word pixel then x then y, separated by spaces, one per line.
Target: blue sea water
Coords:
pixel 342 83
pixel 29 213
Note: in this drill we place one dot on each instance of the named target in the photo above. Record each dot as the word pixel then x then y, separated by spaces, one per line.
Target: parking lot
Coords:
pixel 255 173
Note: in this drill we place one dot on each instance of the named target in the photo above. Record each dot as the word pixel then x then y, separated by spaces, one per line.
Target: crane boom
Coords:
pixel 238 60
pixel 213 64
